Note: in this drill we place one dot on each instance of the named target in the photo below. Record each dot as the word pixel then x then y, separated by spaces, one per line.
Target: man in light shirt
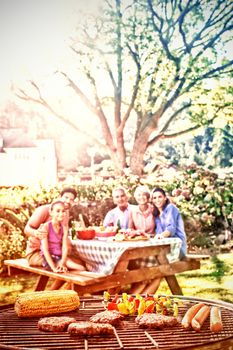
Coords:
pixel 119 216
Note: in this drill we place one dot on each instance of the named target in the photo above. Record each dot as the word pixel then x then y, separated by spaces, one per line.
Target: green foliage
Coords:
pixel 225 152
pixel 12 244
pixel 212 148
pixel 220 268
pixel 210 195
pixel 11 286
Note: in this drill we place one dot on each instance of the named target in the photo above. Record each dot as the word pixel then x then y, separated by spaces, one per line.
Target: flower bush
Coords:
pixel 12 244
pixel 204 198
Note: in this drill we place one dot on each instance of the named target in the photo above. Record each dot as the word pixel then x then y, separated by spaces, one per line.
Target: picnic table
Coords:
pixel 134 260
pixel 111 266
pixel 102 255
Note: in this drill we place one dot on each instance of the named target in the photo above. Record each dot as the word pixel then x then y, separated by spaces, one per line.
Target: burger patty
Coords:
pixel 112 317
pixel 90 328
pixel 156 320
pixel 55 323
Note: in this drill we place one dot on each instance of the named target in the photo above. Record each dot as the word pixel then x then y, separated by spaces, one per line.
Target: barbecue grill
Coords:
pixel 16 333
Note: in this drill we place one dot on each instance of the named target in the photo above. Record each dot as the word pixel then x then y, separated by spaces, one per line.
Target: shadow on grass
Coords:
pixel 220 268
pixel 217 270
pixel 215 293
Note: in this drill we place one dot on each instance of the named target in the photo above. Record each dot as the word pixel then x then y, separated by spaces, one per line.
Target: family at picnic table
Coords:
pixel 47 229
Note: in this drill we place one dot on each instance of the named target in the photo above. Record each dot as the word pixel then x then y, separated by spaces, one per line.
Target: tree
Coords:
pixel 226 151
pixel 159 61
pixel 212 149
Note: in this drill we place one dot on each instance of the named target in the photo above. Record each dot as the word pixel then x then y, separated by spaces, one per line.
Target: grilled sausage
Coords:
pixel 190 313
pixel 200 318
pixel 215 320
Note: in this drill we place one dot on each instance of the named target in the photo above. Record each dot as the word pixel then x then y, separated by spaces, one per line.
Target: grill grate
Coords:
pixel 23 334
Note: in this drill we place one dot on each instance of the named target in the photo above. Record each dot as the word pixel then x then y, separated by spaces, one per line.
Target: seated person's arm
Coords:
pixel 131 222
pixel 108 220
pixel 166 234
pixel 48 258
pixel 65 247
pixel 39 217
pixel 171 218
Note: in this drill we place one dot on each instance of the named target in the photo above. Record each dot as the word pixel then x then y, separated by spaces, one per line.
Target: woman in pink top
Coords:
pixel 141 215
pixel 54 247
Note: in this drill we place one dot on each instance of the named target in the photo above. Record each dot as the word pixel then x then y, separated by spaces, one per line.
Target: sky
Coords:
pixel 34 35
pixel 31 38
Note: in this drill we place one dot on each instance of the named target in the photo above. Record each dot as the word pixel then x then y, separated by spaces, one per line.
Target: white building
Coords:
pixel 24 161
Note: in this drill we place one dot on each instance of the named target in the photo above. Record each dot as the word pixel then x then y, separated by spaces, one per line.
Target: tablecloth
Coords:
pixel 102 256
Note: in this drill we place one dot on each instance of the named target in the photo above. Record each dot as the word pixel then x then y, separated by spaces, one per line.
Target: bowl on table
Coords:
pixel 103 234
pixel 85 233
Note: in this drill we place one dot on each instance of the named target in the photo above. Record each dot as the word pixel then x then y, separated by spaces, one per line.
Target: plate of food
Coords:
pixel 103 233
pixel 130 235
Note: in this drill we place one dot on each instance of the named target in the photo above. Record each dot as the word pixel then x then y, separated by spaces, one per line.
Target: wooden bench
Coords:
pixel 199 257
pixel 146 279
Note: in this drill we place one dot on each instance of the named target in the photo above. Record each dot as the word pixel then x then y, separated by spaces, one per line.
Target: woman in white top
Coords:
pixel 141 215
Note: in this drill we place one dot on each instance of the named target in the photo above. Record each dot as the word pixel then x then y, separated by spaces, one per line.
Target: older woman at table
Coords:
pixel 168 220
pixel 141 215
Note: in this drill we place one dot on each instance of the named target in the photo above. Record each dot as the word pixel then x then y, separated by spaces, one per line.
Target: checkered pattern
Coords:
pixel 102 256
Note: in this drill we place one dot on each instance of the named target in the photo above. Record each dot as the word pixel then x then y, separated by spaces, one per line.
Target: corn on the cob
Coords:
pixel 46 303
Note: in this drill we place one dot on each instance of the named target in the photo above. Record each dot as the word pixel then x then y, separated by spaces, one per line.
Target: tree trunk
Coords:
pixel 137 155
pixel 117 164
pixel 121 151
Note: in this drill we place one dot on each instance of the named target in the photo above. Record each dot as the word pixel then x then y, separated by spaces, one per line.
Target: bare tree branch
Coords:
pixel 214 18
pixel 168 122
pixel 210 74
pixel 97 110
pixel 79 92
pixel 119 49
pixel 164 42
pixel 135 89
pixel 174 135
pixel 184 12
pixel 41 101
pixel 173 116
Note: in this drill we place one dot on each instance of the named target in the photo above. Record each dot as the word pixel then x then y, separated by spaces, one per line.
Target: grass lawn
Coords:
pixel 213 281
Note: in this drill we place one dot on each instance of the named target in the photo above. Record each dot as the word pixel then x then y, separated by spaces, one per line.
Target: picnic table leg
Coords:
pixel 41 283
pixel 174 285
pixel 171 280
pixel 57 284
pixel 152 286
pixel 137 287
pixel 115 290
